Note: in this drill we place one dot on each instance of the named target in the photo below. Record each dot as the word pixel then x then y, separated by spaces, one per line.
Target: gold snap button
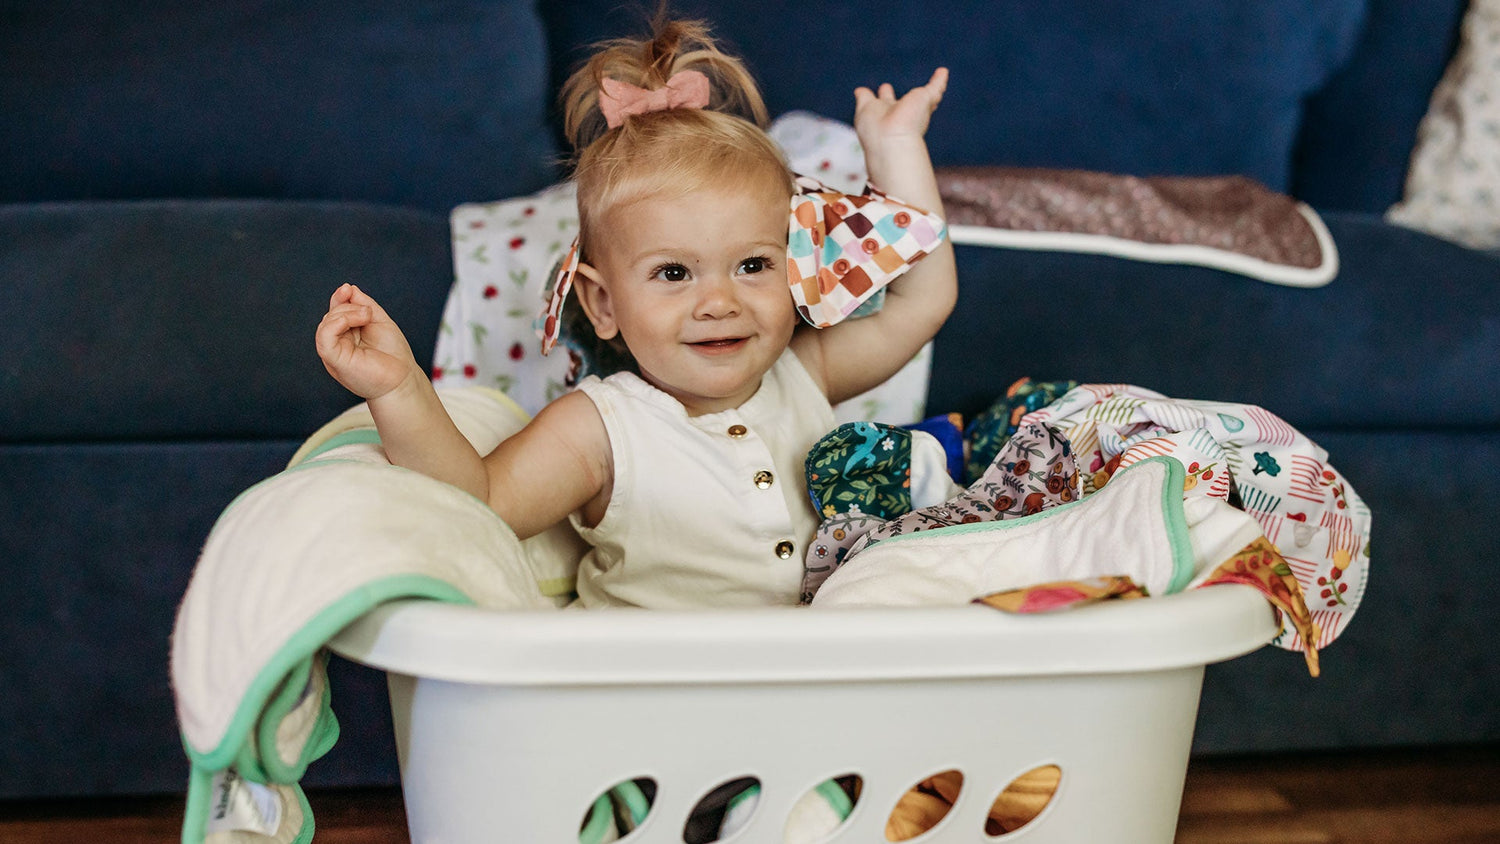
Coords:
pixel 784 549
pixel 737 431
pixel 764 479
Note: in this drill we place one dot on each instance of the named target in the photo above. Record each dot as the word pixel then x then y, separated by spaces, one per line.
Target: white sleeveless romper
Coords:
pixel 706 510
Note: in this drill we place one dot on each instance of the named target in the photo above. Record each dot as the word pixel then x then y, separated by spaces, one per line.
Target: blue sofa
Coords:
pixel 182 185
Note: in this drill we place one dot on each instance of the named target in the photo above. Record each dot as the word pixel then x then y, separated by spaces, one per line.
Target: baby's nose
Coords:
pixel 717 297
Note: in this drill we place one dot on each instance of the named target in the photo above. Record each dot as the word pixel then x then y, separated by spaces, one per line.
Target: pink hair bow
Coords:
pixel 618 100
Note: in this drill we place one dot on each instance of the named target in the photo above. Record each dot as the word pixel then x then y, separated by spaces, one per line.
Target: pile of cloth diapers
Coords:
pixel 1236 494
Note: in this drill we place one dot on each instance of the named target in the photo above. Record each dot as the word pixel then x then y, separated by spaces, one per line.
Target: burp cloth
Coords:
pixel 292 561
pixel 1137 526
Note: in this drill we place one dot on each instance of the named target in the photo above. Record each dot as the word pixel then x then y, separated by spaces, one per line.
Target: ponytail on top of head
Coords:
pixel 674 46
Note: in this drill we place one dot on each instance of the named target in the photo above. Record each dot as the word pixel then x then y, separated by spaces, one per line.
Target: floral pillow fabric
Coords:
pixel 503 253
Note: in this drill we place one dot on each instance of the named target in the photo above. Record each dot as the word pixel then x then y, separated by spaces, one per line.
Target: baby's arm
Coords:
pixel 858 354
pixel 363 349
pixel 560 462
pixel 532 480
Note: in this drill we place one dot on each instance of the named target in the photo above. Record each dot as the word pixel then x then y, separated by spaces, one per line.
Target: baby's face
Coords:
pixel 697 288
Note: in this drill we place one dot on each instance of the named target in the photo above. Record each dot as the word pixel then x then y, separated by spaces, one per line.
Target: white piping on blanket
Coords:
pixel 1165 253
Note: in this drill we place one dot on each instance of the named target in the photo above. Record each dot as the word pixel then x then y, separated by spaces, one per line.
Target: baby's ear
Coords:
pixel 593 296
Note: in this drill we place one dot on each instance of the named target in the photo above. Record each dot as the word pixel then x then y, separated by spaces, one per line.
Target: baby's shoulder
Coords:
pixel 574 420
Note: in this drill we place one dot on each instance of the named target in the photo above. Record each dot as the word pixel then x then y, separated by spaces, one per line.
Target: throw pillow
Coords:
pixel 1453 187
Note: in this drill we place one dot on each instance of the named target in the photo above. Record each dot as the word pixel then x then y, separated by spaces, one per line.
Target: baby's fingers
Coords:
pixel 351 294
pixel 342 295
pixel 333 331
pixel 937 85
pixel 347 316
pixel 932 93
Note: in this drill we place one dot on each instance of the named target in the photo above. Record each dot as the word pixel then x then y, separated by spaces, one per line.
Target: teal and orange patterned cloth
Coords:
pixel 844 248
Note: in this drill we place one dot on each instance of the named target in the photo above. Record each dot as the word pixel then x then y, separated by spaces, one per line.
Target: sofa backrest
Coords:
pixel 1359 130
pixel 437 103
pixel 423 104
pixel 1137 86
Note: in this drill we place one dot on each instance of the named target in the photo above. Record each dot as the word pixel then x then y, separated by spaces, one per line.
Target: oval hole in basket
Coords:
pixel 822 809
pixel 1022 800
pixel 617 812
pixel 723 811
pixel 924 806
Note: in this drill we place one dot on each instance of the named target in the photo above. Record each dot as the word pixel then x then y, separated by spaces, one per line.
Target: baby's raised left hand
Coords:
pixel 880 116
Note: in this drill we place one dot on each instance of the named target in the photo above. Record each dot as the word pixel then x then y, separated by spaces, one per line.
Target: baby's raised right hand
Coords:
pixel 361 346
pixel 880 115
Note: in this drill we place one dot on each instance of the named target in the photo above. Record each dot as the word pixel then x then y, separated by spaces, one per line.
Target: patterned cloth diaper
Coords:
pixel 861 474
pixel 1245 455
pixel 860 478
pixel 1033 472
pixel 842 248
pixel 989 431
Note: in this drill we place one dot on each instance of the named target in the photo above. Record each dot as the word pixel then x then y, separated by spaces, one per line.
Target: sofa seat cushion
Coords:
pixel 98 542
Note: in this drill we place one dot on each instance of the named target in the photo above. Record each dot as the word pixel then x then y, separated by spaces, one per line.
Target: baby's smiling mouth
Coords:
pixel 718 343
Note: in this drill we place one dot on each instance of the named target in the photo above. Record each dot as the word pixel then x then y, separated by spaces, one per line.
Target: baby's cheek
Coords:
pixel 783 311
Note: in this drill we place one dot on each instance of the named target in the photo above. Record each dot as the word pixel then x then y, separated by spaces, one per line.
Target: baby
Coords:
pixel 683 470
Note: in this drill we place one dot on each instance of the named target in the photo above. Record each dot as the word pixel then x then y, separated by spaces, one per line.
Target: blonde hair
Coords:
pixel 671 152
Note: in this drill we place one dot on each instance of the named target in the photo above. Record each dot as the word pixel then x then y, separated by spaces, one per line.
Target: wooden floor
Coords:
pixel 1410 797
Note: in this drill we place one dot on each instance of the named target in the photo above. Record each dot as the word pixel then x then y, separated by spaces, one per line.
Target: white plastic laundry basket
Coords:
pixel 510 725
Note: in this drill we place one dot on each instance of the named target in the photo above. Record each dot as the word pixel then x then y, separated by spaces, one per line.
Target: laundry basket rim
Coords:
pixel 468 644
